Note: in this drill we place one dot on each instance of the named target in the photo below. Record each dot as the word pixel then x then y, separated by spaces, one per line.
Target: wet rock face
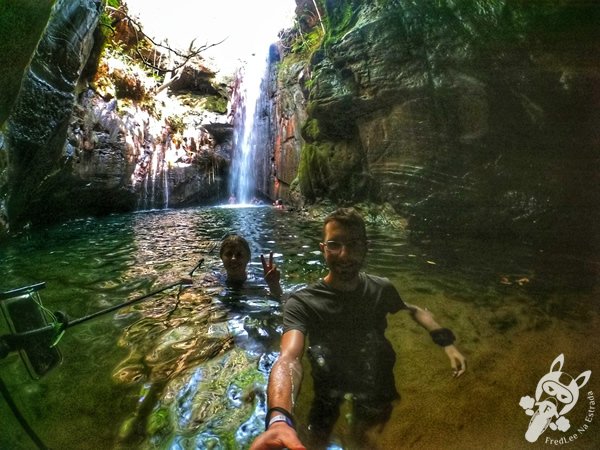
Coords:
pixel 464 119
pixel 72 151
pixel 37 127
pixel 21 25
pixel 125 158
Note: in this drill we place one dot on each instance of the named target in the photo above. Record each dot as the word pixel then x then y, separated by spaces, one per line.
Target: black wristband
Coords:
pixel 443 337
pixel 287 414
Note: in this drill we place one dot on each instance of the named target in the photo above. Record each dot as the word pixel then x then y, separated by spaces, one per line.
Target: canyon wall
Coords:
pixel 472 118
pixel 88 133
pixel 469 118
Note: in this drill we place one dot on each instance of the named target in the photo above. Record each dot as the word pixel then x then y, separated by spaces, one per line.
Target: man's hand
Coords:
pixel 279 436
pixel 457 360
pixel 272 275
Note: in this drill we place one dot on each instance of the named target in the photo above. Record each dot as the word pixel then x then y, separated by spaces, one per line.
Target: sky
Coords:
pixel 244 24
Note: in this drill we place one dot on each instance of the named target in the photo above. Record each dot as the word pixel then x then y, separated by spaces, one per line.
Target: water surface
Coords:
pixel 188 371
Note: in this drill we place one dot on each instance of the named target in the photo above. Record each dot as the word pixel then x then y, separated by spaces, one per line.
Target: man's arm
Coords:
pixel 424 318
pixel 284 384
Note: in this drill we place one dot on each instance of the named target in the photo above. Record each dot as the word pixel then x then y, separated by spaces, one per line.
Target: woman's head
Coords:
pixel 235 254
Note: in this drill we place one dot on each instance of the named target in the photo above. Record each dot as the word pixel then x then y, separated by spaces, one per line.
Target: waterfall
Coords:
pixel 149 142
pixel 252 28
pixel 152 173
pixel 250 116
pixel 246 120
pixel 166 185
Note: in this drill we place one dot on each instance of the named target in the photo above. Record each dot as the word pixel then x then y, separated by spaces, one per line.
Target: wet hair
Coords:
pixel 234 240
pixel 348 217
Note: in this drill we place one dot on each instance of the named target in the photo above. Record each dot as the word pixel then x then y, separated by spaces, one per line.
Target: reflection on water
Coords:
pixel 189 371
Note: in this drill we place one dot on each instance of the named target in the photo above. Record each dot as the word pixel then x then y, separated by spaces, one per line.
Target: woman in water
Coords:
pixel 235 255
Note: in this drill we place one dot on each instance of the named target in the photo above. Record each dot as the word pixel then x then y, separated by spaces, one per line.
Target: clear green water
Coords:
pixel 189 372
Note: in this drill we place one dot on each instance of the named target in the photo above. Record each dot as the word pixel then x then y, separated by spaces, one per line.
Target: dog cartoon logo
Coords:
pixel 556 394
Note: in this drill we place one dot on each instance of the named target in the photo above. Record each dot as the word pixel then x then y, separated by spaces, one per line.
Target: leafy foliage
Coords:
pixel 306 44
pixel 105 18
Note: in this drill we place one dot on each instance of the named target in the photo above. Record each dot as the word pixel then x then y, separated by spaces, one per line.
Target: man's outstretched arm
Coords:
pixel 284 384
pixel 441 336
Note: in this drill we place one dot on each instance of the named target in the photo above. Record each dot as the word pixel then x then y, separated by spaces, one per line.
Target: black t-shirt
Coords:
pixel 347 346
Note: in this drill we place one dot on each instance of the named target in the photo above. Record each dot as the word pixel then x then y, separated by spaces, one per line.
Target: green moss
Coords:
pixel 306 44
pixel 21 25
pixel 311 131
pixel 215 103
pixel 313 170
pixel 339 19
pixel 105 19
pixel 303 48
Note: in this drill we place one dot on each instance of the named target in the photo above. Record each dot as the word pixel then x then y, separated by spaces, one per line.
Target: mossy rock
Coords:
pixel 313 171
pixel 216 104
pixel 310 131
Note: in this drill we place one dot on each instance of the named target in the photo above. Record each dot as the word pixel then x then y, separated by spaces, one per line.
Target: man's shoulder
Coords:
pixel 311 290
pixel 377 280
pixel 383 287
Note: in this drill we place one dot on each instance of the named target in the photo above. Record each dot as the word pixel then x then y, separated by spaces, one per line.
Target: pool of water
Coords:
pixel 188 369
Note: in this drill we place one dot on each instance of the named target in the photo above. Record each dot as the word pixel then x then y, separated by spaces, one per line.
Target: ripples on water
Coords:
pixel 190 372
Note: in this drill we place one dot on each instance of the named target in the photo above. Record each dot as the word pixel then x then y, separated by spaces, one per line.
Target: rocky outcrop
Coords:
pixel 21 25
pixel 465 119
pixel 472 118
pixel 37 127
pixel 160 161
pixel 287 107
pixel 90 135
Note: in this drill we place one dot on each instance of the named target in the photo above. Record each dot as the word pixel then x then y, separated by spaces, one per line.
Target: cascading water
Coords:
pixel 250 120
pixel 154 169
pixel 245 135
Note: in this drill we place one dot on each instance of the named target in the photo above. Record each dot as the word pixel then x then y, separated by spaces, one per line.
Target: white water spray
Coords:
pixel 246 101
pixel 245 137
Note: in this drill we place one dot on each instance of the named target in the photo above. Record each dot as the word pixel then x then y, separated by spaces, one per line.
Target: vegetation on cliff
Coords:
pixel 93 108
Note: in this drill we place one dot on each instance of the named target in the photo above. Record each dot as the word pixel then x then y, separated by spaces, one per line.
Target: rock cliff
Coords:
pixel 475 118
pixel 472 118
pixel 37 126
pixel 89 133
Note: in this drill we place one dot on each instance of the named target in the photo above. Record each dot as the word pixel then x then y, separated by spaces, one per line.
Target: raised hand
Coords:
pixel 272 275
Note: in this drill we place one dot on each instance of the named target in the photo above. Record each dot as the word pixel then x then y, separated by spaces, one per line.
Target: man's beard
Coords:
pixel 346 272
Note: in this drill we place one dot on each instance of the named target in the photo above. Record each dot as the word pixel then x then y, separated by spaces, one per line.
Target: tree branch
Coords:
pixel 192 52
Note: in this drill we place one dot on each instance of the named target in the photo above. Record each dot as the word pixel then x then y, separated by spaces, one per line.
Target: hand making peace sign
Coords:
pixel 272 275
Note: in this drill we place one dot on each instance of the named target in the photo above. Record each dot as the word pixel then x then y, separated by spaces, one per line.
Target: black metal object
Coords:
pixel 35 338
pixel 31 333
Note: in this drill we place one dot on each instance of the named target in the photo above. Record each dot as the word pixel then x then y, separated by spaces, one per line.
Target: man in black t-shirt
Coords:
pixel 348 350
pixel 344 318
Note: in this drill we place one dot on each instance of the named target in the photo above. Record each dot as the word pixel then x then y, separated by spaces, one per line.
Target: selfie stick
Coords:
pixel 16 341
pixel 50 334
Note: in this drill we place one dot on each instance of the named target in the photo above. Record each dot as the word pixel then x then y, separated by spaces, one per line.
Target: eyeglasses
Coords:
pixel 335 247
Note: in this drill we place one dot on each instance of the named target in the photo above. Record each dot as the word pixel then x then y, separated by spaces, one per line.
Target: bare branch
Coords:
pixel 319 15
pixel 192 52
